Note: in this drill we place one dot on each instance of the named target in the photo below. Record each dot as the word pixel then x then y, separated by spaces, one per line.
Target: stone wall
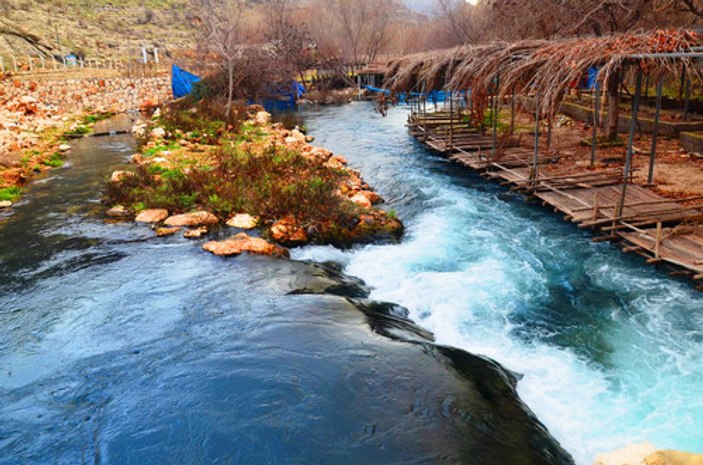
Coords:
pixel 114 95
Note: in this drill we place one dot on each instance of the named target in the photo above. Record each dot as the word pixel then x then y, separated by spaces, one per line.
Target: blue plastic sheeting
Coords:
pixel 436 96
pixel 182 82
pixel 285 98
pixel 592 77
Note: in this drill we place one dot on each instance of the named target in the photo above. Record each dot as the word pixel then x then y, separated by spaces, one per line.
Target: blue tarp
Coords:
pixel 592 76
pixel 436 96
pixel 285 98
pixel 182 81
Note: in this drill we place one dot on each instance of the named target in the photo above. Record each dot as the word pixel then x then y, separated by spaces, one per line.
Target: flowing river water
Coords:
pixel 611 349
pixel 121 348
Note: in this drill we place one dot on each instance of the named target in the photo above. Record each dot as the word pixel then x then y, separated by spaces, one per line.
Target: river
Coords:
pixel 611 349
pixel 121 348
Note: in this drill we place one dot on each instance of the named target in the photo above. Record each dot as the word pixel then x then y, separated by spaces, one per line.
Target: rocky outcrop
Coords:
pixel 190 220
pixel 241 243
pixel 287 231
pixel 156 215
pixel 5 204
pixel 243 221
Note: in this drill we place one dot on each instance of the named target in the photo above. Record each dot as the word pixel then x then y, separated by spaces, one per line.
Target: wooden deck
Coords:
pixel 681 247
pixel 647 223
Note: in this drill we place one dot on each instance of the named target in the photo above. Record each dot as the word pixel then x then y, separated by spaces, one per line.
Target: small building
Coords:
pixel 373 75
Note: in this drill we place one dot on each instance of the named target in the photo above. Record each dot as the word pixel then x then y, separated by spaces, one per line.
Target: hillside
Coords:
pixel 96 28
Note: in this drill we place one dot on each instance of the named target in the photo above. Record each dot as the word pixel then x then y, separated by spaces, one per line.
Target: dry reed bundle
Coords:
pixel 548 68
pixel 553 69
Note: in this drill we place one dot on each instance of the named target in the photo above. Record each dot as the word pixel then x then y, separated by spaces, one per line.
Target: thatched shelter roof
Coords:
pixel 547 67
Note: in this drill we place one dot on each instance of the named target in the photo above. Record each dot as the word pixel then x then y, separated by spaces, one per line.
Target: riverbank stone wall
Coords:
pixel 114 95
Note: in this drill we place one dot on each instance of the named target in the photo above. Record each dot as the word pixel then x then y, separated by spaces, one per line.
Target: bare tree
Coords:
pixel 557 18
pixel 459 15
pixel 222 34
pixel 357 30
pixel 291 41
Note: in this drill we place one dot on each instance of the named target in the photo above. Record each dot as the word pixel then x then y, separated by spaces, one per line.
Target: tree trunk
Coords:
pixel 613 106
pixel 230 91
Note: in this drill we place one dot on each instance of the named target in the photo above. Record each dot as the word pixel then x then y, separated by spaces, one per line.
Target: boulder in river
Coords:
pixel 5 204
pixel 673 457
pixel 195 233
pixel 201 218
pixel 287 231
pixel 366 199
pixel 243 243
pixel 155 215
pixel 336 162
pixel 243 221
pixel 318 154
pixel 167 231
pixel 118 211
pixel 631 455
pixel 63 148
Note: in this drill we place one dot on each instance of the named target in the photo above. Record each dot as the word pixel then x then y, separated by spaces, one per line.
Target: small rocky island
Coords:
pixel 196 173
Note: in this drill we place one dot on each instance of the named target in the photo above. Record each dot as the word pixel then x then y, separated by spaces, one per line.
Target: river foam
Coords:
pixel 609 349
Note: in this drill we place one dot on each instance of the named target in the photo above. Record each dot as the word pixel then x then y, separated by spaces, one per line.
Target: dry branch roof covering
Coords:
pixel 549 67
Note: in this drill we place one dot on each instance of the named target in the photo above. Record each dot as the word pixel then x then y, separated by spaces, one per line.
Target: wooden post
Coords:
pixel 613 106
pixel 596 110
pixel 687 99
pixel 655 131
pixel 596 207
pixel 451 121
pixel 535 159
pixel 657 245
pixel 471 106
pixel 630 142
pixel 512 112
pixel 494 148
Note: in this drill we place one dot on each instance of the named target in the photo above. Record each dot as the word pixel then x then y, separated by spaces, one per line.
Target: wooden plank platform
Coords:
pixel 511 157
pixel 589 198
pixel 595 206
pixel 682 249
pixel 444 144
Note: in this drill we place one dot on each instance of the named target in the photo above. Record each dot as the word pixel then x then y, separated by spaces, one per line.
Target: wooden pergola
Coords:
pixel 542 74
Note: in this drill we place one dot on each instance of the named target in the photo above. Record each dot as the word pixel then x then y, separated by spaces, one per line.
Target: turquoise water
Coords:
pixel 611 350
pixel 118 347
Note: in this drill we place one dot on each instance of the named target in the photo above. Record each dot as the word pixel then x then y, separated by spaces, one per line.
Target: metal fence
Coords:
pixel 25 65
